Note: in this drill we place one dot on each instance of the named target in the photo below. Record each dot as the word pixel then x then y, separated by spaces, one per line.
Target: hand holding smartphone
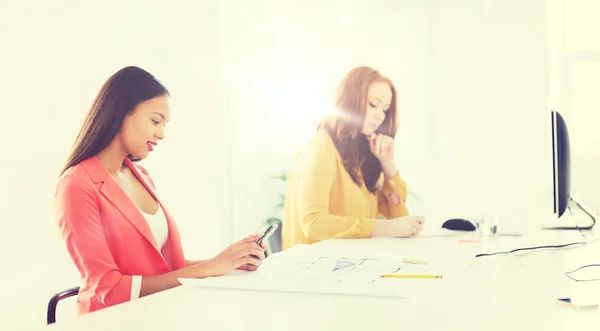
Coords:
pixel 268 232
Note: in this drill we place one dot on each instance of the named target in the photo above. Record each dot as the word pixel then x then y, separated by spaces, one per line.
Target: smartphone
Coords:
pixel 268 232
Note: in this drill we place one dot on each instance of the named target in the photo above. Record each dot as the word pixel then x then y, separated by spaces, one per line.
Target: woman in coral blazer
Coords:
pixel 345 183
pixel 118 231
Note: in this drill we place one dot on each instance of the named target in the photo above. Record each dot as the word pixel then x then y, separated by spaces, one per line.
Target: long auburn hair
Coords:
pixel 119 95
pixel 345 126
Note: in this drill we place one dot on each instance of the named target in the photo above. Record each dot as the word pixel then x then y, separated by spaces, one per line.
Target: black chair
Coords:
pixel 51 314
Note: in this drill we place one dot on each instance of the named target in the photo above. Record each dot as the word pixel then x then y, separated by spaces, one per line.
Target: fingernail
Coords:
pixel 258 262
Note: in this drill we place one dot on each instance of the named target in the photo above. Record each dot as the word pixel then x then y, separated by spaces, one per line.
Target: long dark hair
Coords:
pixel 119 95
pixel 345 127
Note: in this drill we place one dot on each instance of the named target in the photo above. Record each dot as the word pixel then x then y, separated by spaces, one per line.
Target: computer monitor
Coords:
pixel 561 165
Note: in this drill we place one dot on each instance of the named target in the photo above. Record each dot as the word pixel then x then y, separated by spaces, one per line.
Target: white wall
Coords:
pixel 578 78
pixel 473 87
pixel 55 57
pixel 583 119
pixel 491 150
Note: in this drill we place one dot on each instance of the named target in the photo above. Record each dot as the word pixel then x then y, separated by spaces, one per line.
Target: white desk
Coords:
pixel 489 293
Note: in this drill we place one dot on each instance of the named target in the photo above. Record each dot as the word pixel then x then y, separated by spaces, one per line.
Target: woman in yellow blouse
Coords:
pixel 345 184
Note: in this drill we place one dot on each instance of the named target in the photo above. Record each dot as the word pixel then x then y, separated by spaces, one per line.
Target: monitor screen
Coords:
pixel 561 163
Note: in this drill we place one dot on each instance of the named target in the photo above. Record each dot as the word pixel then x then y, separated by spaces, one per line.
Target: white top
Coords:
pixel 160 230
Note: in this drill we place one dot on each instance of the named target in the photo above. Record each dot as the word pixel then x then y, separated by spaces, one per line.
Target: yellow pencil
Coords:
pixel 410 276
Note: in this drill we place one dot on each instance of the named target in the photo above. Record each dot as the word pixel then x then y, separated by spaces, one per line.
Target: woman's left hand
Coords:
pixel 252 267
pixel 382 147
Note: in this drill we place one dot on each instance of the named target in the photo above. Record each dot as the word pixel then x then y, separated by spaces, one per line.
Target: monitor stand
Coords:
pixel 570 220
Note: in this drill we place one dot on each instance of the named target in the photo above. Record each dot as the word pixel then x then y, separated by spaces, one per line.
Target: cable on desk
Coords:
pixel 582 267
pixel 587 240
pixel 580 206
pixel 575 221
pixel 533 248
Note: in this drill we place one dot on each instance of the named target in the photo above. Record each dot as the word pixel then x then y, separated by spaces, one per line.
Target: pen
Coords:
pixel 413 261
pixel 409 276
pixel 407 207
pixel 509 234
pixel 469 240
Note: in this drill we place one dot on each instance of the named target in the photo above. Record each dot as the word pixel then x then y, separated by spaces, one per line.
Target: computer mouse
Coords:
pixel 458 224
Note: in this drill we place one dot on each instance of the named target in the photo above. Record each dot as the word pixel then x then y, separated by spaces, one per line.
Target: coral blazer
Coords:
pixel 106 235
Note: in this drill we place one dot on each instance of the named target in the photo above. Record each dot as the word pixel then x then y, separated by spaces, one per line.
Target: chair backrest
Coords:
pixel 51 313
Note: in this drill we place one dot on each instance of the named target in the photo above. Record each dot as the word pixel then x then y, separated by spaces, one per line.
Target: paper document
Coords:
pixel 325 274
pixel 342 269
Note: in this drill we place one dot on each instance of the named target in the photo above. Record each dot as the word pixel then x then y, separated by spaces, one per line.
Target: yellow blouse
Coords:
pixel 322 201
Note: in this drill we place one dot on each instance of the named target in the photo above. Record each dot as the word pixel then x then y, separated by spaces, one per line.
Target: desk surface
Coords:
pixel 499 292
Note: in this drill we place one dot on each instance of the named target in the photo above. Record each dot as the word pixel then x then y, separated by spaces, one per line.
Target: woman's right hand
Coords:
pixel 241 253
pixel 403 227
